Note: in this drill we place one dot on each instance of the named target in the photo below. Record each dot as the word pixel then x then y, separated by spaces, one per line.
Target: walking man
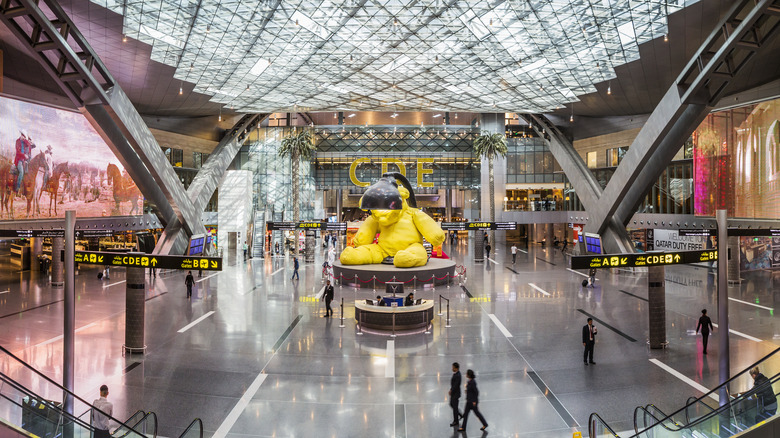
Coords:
pixel 328 299
pixel 189 281
pixel 245 249
pixel 295 269
pixel 455 394
pixel 589 341
pixel 100 415
pixel 705 324
pixel 472 402
pixel 514 253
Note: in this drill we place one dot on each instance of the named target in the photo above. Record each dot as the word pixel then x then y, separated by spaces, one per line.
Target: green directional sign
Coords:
pixel 148 260
pixel 640 260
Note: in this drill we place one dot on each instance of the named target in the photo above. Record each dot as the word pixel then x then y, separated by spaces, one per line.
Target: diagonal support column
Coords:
pixel 63 52
pixel 581 178
pixel 174 237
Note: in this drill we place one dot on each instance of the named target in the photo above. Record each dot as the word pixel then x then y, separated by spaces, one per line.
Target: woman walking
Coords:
pixel 472 402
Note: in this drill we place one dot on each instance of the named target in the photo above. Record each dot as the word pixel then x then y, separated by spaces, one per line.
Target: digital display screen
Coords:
pixel 593 244
pixel 196 246
pixel 65 165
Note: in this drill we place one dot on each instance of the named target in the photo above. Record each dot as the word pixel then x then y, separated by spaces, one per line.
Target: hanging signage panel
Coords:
pixel 642 259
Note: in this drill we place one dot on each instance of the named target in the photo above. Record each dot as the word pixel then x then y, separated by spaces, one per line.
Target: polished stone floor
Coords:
pixel 252 356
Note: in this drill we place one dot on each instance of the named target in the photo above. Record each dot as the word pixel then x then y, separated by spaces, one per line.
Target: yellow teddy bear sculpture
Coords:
pixel 400 236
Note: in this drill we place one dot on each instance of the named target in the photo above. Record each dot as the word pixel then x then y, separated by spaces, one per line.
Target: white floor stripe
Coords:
pixel 390 368
pixel 751 304
pixel 238 409
pixel 113 284
pixel 5 292
pixel 685 379
pixel 539 289
pixel 499 325
pixel 494 262
pixel 522 250
pixel 319 294
pixel 206 278
pixel 578 273
pixel 277 271
pixel 192 324
pixel 740 334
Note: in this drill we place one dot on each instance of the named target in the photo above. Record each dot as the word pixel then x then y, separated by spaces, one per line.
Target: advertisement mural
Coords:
pixel 737 162
pixel 52 160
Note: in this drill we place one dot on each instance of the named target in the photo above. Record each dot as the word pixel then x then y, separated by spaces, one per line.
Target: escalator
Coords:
pixel 703 417
pixel 30 407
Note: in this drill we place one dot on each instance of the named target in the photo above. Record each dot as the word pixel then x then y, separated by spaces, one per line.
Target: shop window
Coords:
pixel 590 158
pixel 615 155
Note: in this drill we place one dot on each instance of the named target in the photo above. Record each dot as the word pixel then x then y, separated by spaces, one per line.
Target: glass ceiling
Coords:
pixel 395 55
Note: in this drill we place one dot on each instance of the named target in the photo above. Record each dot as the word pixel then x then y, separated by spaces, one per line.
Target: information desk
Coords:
pixel 406 317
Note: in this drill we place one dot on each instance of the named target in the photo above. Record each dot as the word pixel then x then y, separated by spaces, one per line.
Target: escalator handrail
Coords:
pixel 57 385
pixel 196 422
pixel 725 407
pixel 691 400
pixel 727 382
pixel 19 387
pixel 645 410
pixel 595 417
pixel 129 430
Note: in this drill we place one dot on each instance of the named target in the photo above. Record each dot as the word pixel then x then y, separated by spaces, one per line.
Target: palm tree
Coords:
pixel 297 145
pixel 489 146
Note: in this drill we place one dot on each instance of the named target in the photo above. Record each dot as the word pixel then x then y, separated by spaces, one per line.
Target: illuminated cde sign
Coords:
pixel 290 226
pixel 148 261
pixel 642 259
pixel 386 162
pixel 464 226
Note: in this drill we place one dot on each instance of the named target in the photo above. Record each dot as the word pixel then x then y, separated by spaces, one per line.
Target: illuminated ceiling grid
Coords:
pixel 405 55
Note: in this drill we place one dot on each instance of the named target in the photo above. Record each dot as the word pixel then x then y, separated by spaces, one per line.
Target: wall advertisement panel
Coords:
pixel 63 164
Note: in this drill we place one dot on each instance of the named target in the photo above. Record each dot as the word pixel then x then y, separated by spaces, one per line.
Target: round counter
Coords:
pixel 406 317
pixel 436 271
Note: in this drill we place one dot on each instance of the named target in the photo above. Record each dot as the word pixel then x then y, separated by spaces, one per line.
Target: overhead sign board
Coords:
pixel 314 225
pixel 757 232
pixel 706 232
pixel 465 226
pixel 148 260
pixel 58 232
pixel 639 260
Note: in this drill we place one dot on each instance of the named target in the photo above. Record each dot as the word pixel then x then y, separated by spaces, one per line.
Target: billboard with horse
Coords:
pixel 52 160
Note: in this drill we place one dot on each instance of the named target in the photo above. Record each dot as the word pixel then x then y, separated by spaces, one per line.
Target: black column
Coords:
pixel 656 296
pixel 135 303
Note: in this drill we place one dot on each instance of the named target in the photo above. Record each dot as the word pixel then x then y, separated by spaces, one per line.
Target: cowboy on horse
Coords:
pixel 48 165
pixel 24 147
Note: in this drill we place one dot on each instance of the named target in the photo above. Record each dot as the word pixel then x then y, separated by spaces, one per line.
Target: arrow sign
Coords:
pixel 138 260
pixel 655 258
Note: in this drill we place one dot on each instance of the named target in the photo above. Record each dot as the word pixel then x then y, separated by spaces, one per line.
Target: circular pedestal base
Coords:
pixel 437 271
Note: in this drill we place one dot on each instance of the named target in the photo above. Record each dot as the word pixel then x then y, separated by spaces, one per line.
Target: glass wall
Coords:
pixel 737 162
pixel 272 175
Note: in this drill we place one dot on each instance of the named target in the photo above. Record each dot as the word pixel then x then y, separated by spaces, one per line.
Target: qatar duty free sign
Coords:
pixel 148 260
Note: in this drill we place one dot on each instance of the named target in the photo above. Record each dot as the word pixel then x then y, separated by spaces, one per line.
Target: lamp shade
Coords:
pixel 382 195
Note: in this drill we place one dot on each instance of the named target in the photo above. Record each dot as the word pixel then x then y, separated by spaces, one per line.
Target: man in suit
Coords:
pixel 328 299
pixel 705 324
pixel 589 340
pixel 455 394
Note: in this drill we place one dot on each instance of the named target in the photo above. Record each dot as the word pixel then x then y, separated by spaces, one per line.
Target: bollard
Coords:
pixel 414 285
pixel 357 279
pixel 360 320
pixel 447 324
pixel 341 323
pixel 440 314
pixel 427 323
pixel 374 278
pixel 449 280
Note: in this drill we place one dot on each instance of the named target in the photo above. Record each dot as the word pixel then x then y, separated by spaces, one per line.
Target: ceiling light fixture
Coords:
pixel 124 38
pixel 571 117
pixel 609 88
pixel 666 38
pixel 219 119
pixel 181 89
pixel 395 21
pixel 208 28
pixel 352 115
